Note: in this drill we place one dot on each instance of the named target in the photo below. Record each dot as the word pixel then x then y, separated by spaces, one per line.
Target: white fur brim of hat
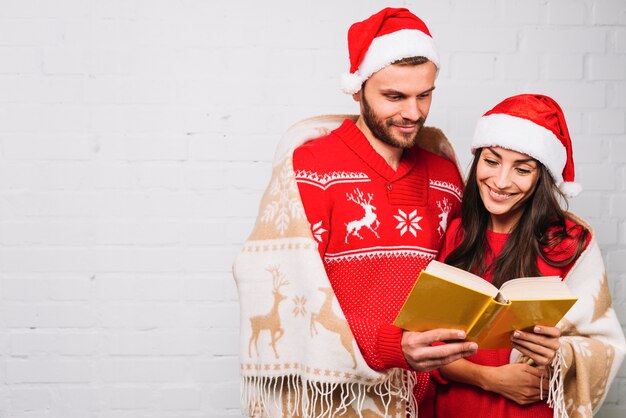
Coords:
pixel 386 49
pixel 525 136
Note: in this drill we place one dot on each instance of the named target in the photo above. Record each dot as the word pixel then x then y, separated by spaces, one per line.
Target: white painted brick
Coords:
pixel 622 233
pixel 65 118
pixel 138 232
pixel 51 176
pixel 29 343
pixel 35 288
pixel 22 9
pixel 29 398
pixel 606 231
pixel 229 342
pixel 48 371
pixel 473 66
pixel 20 89
pixel 522 11
pixel 144 147
pixel 477 39
pixel 136 370
pixel 591 150
pixel 481 11
pixel 618 151
pixel 50 316
pixel 564 67
pixel 142 343
pixel 217 287
pixel 61 89
pixel 607 122
pixel 607 67
pixel 128 397
pixel 519 66
pixel 616 261
pixel 142 316
pixel 30 32
pixel 40 259
pixel 575 94
pixel 48 147
pixel 609 12
pixel 64 60
pixel 220 369
pixel 225 396
pixel 113 61
pixel 20 289
pixel 619 36
pixel 25 233
pixel 590 205
pixel 20 60
pixel 616 97
pixel 114 9
pixel 22 119
pixel 160 176
pixel 48 204
pixel 179 399
pixel 152 287
pixel 222 316
pixel 567 12
pixel 618 204
pixel 563 40
pixel 595 178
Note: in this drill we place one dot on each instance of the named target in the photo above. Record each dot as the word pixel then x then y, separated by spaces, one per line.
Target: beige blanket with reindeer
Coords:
pixel 592 342
pixel 298 356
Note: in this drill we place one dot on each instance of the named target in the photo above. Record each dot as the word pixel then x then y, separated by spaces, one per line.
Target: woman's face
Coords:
pixel 506 180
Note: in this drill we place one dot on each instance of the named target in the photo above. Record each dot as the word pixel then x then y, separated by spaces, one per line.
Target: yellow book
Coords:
pixel 448 297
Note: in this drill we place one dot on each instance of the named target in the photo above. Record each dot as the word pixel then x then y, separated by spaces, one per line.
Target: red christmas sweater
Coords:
pixel 452 399
pixel 376 228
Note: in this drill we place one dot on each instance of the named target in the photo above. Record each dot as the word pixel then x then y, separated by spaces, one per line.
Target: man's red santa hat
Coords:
pixel 388 36
pixel 532 124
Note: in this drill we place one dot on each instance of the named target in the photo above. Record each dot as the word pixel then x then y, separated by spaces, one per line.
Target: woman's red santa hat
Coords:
pixel 532 124
pixel 388 36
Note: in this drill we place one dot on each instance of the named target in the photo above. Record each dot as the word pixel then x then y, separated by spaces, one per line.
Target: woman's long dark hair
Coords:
pixel 540 228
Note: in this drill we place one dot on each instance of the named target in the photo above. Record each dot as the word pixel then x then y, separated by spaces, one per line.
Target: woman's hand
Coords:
pixel 518 382
pixel 540 346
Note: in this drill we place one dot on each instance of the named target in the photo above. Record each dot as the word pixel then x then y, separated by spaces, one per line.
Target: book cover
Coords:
pixel 453 298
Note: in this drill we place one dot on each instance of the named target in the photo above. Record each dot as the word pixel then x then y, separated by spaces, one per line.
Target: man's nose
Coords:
pixel 411 110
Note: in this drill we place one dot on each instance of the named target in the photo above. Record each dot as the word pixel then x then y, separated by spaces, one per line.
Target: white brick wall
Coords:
pixel 136 138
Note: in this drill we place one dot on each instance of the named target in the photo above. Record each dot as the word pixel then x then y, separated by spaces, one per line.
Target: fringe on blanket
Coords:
pixel 556 395
pixel 311 399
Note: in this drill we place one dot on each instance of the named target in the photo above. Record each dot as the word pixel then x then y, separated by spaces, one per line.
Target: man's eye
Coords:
pixel 394 97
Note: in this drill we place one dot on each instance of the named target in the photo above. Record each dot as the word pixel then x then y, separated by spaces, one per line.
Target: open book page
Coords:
pixel 532 288
pixel 461 277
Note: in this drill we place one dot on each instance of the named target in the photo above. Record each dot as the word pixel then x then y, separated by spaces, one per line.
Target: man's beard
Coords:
pixel 381 129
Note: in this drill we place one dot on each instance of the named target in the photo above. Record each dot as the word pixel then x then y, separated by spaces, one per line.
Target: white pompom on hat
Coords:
pixel 532 124
pixel 385 37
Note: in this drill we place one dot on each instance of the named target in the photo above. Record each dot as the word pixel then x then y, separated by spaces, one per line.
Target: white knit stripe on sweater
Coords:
pixel 326 180
pixel 446 187
pixel 380 251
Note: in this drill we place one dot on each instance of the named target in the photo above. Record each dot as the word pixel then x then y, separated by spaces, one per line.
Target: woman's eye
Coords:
pixel 523 171
pixel 490 162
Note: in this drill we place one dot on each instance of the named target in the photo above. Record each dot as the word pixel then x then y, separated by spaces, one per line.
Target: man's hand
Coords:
pixel 423 357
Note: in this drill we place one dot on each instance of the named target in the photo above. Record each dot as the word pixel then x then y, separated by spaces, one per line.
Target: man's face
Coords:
pixel 395 102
